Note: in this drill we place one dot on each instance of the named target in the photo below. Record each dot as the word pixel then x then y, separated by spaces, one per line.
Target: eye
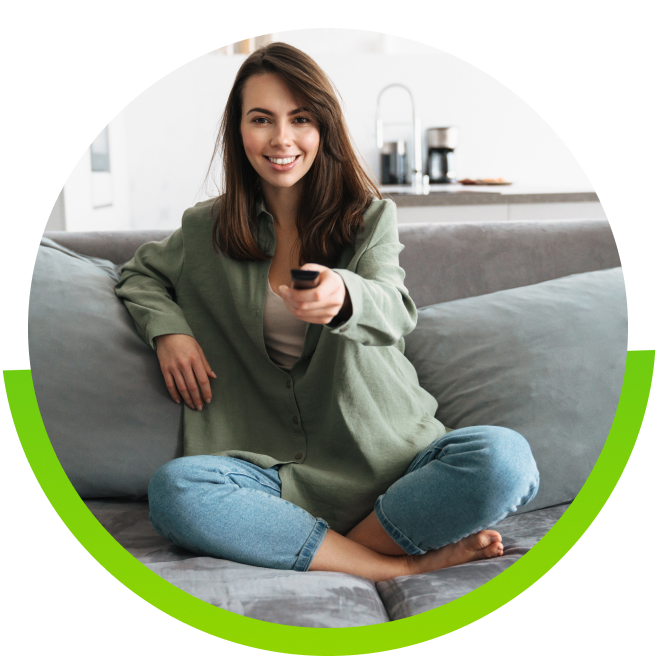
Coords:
pixel 301 119
pixel 260 120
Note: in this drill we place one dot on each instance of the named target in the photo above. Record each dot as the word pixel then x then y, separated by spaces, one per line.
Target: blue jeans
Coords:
pixel 464 482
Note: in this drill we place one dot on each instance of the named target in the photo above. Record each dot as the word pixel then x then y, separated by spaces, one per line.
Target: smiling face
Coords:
pixel 281 137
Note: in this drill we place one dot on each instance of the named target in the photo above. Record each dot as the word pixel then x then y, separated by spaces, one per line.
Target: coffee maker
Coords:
pixel 441 144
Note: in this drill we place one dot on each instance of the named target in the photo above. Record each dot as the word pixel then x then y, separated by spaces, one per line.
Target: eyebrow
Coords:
pixel 269 113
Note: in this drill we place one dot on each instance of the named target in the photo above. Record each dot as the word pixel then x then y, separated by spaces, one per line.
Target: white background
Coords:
pixel 69 67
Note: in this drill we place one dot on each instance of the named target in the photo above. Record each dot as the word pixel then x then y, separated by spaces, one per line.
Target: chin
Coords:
pixel 282 183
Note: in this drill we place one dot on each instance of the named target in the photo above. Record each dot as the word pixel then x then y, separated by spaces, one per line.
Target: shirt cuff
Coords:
pixel 353 284
pixel 166 326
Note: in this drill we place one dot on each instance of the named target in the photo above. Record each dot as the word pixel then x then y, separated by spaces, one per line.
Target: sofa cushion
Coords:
pixel 325 599
pixel 546 360
pixel 102 397
pixel 405 596
pixel 318 599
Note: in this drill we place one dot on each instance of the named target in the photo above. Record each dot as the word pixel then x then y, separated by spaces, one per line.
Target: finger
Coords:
pixel 323 316
pixel 314 306
pixel 192 386
pixel 206 365
pixel 314 267
pixel 170 386
pixel 182 388
pixel 318 293
pixel 203 381
pixel 321 307
pixel 319 319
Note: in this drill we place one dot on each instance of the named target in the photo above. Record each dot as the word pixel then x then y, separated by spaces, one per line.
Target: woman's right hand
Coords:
pixel 185 368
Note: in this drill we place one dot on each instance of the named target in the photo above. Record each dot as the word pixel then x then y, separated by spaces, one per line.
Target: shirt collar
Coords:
pixel 260 207
pixel 264 221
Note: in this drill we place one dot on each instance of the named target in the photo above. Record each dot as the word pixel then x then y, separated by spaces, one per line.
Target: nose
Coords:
pixel 282 136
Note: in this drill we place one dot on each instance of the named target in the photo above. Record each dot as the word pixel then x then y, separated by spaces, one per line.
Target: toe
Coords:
pixel 484 539
pixel 484 544
pixel 492 551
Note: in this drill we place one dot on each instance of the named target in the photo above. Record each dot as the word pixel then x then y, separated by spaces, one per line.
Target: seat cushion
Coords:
pixel 101 394
pixel 405 596
pixel 319 599
pixel 546 360
pixel 322 599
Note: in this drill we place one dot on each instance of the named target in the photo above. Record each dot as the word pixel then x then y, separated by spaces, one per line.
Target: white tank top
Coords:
pixel 284 334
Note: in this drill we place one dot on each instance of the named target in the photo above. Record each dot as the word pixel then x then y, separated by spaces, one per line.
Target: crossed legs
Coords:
pixel 437 515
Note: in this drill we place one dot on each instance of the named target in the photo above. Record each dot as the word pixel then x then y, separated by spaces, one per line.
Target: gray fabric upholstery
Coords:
pixel 405 596
pixel 546 360
pixel 312 598
pixel 128 523
pixel 320 599
pixel 117 247
pixel 444 262
pixel 101 394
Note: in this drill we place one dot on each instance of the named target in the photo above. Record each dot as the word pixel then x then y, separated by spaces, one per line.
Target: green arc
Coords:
pixel 356 640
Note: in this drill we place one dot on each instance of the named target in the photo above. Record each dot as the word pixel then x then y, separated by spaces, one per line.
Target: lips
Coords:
pixel 282 163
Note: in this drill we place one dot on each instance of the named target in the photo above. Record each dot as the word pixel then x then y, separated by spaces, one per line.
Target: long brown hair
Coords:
pixel 336 189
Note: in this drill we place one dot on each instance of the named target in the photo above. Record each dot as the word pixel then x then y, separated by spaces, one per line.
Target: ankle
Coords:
pixel 409 565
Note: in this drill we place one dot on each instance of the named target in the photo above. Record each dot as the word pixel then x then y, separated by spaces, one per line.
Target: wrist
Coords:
pixel 345 312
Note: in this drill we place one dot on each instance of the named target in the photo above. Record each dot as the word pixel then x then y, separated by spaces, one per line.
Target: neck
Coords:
pixel 282 203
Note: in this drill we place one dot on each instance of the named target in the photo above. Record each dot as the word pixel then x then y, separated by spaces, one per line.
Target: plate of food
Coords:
pixel 484 181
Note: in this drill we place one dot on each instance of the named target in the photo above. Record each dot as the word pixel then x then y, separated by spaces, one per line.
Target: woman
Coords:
pixel 312 447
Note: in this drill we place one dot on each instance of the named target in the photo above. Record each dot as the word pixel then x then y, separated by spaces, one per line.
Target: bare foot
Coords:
pixel 485 544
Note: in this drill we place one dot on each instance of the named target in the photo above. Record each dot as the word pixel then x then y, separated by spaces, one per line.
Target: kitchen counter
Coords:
pixel 471 203
pixel 484 195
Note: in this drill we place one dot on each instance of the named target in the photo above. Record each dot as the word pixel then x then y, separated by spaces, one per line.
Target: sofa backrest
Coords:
pixel 443 261
pixel 117 246
pixel 448 261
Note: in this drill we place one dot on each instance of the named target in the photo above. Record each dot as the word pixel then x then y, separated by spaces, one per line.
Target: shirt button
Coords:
pixel 344 329
pixel 288 384
pixel 298 456
pixel 295 420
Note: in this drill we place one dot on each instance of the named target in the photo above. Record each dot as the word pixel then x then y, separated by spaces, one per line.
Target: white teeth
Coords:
pixel 286 160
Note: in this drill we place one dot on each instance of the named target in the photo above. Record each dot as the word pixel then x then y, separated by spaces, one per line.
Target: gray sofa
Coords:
pixel 520 324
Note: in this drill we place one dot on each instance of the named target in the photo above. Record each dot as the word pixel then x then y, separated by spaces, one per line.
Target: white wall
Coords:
pixel 79 210
pixel 171 130
pixel 171 127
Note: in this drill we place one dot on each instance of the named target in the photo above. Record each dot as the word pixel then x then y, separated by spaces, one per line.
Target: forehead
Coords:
pixel 268 91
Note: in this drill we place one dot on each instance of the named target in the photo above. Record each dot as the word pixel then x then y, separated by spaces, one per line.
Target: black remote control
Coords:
pixel 303 279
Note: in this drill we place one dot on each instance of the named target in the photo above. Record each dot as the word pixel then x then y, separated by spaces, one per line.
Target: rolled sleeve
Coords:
pixel 147 287
pixel 382 310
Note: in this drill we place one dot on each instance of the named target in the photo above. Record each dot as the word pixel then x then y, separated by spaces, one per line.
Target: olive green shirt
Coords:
pixel 348 418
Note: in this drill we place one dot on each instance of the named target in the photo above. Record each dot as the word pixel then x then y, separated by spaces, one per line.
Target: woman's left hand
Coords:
pixel 322 303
